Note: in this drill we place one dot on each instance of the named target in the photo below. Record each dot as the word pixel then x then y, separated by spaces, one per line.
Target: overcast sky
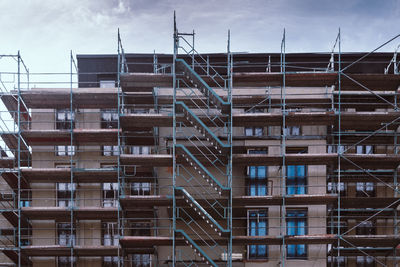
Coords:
pixel 46 30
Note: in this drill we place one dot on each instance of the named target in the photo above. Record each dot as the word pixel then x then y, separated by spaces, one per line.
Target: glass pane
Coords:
pixel 291 171
pixel 248 132
pixel 258 131
pixel 301 170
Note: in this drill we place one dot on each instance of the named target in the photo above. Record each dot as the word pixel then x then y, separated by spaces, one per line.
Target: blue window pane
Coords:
pixel 301 190
pixel 253 250
pixel 262 172
pixel 301 250
pixel 301 170
pixel 291 190
pixel 262 250
pixel 253 228
pixel 291 250
pixel 252 171
pixel 291 228
pixel 301 228
pixel 262 228
pixel 291 171
pixel 262 190
pixel 253 190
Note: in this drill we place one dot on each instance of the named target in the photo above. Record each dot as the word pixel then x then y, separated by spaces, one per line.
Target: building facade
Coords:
pixel 209 159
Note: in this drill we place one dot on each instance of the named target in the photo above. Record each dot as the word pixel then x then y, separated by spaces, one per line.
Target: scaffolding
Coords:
pixel 193 159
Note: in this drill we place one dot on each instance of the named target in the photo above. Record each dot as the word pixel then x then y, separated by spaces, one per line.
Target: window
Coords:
pixel 64 193
pixel 107 84
pixel 110 194
pixel 109 119
pixel 365 149
pixel 296 180
pixel 257 226
pixel 365 228
pixel 365 189
pixel 110 150
pixel 292 130
pixel 65 150
pixel 336 149
pixel 66 261
pixel 110 238
pixel 296 224
pixel 336 188
pixel 138 150
pixel 140 189
pixel 66 235
pixel 257 182
pixel 365 261
pixel 64 118
pixel 337 261
pixel 141 260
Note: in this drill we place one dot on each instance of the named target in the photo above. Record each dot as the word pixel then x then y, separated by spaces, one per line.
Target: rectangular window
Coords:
pixel 65 150
pixel 365 189
pixel 138 150
pixel 64 119
pixel 296 224
pixel 140 189
pixel 365 261
pixel 292 130
pixel 296 182
pixel 257 226
pixel 336 149
pixel 109 119
pixel 110 194
pixel 110 150
pixel 336 188
pixel 257 182
pixel 66 235
pixel 141 260
pixel 64 193
pixel 365 149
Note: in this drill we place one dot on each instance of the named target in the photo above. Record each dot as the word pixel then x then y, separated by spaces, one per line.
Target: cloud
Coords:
pixel 45 31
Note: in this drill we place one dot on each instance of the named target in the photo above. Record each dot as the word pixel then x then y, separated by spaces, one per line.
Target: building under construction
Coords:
pixel 190 159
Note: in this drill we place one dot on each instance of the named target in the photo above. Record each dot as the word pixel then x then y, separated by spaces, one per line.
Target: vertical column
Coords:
pixel 176 40
pixel 283 149
pixel 339 150
pixel 19 159
pixel 72 205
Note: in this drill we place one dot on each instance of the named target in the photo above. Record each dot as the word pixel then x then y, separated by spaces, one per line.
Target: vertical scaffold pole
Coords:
pixel 283 149
pixel 19 160
pixel 120 224
pixel 339 150
pixel 175 37
pixel 71 160
pixel 230 80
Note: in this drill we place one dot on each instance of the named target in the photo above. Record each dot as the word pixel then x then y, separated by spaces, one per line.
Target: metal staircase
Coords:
pixel 202 215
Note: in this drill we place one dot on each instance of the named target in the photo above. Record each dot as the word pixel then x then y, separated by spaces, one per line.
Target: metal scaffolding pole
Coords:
pixel 283 230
